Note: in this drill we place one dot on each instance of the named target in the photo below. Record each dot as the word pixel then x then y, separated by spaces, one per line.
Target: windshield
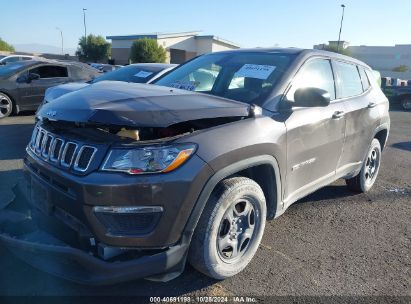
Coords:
pixel 2 56
pixel 129 73
pixel 243 76
pixel 6 70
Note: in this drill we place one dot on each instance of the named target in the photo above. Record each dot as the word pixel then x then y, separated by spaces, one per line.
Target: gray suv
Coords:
pixel 23 83
pixel 130 180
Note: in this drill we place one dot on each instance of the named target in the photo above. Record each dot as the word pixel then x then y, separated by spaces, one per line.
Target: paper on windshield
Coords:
pixel 188 86
pixel 143 74
pixel 255 71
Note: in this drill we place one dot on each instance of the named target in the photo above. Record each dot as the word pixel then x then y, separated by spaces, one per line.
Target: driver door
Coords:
pixel 315 135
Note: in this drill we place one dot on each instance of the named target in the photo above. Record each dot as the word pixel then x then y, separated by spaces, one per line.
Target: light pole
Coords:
pixel 84 20
pixel 339 35
pixel 62 45
pixel 85 32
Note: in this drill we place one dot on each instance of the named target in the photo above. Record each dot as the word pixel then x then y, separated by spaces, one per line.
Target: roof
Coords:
pixel 216 38
pixel 27 63
pixel 195 34
pixel 267 50
pixel 298 51
pixel 156 65
pixel 154 35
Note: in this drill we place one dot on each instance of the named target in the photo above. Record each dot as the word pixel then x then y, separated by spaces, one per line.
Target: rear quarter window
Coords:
pixel 349 81
pixel 364 79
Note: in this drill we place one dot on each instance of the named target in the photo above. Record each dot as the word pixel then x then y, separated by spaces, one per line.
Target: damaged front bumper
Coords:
pixel 26 240
pixel 57 238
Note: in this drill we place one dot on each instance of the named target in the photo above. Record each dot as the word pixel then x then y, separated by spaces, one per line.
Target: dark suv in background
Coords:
pixel 128 180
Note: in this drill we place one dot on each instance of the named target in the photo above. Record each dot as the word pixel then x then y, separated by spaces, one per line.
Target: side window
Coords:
pixel 12 59
pixel 316 73
pixel 349 79
pixel 26 58
pixel 364 79
pixel 50 71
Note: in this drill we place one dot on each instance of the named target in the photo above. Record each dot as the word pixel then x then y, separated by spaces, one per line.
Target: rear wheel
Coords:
pixel 230 228
pixel 369 171
pixel 406 103
pixel 6 105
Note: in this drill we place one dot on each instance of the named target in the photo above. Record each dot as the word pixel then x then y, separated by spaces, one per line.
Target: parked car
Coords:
pixel 14 58
pixel 142 176
pixel 397 94
pixel 23 83
pixel 104 67
pixel 138 73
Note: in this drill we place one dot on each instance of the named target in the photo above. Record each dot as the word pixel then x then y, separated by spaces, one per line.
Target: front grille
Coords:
pixel 83 158
pixel 58 151
pixel 68 154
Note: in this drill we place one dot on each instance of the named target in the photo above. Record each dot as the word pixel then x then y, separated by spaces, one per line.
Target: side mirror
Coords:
pixel 32 76
pixel 311 97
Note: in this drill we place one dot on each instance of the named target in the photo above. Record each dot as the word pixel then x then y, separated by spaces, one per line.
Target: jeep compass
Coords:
pixel 130 180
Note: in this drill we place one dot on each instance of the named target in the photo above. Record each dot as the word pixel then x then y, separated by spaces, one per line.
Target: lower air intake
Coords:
pixel 128 224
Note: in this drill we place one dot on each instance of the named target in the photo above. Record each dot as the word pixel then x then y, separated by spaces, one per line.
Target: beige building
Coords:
pixel 180 47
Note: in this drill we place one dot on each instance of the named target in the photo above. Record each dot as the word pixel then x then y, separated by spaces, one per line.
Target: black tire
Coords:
pixel 7 106
pixel 207 252
pixel 364 180
pixel 406 103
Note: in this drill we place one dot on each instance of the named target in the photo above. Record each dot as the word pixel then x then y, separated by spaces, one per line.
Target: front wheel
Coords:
pixel 230 228
pixel 369 171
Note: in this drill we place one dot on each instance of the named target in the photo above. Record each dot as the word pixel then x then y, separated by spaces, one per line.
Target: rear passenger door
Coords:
pixel 315 135
pixel 362 115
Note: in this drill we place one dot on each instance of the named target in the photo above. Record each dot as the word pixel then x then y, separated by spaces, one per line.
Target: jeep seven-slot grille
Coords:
pixel 58 151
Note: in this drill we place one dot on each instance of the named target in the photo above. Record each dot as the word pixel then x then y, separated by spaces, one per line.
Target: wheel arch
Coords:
pixel 382 135
pixel 260 169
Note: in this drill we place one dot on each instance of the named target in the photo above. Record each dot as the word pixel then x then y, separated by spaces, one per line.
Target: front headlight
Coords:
pixel 148 159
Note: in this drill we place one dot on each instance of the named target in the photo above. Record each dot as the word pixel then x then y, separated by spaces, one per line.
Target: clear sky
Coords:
pixel 249 23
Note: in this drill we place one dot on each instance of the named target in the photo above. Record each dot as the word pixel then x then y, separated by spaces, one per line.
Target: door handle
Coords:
pixel 338 114
pixel 371 105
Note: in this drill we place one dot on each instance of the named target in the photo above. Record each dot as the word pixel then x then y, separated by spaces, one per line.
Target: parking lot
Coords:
pixel 333 242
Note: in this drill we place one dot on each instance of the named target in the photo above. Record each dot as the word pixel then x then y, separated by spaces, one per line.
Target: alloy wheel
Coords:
pixel 236 230
pixel 6 106
pixel 372 165
pixel 406 104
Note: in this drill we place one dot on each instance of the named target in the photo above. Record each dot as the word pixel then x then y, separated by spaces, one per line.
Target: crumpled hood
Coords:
pixel 60 90
pixel 141 105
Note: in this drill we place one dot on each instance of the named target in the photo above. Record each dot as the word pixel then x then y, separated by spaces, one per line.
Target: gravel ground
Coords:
pixel 331 243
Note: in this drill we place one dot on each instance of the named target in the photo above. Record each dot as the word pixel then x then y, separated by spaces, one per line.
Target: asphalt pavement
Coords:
pixel 331 243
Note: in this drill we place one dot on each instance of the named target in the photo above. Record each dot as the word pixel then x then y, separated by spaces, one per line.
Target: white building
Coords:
pixel 385 58
pixel 381 58
pixel 180 47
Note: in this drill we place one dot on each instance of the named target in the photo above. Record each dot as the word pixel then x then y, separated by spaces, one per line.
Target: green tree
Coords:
pixel 401 68
pixel 4 46
pixel 147 50
pixel 96 48
pixel 335 49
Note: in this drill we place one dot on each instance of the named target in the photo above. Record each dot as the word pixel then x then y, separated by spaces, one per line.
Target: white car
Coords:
pixel 13 58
